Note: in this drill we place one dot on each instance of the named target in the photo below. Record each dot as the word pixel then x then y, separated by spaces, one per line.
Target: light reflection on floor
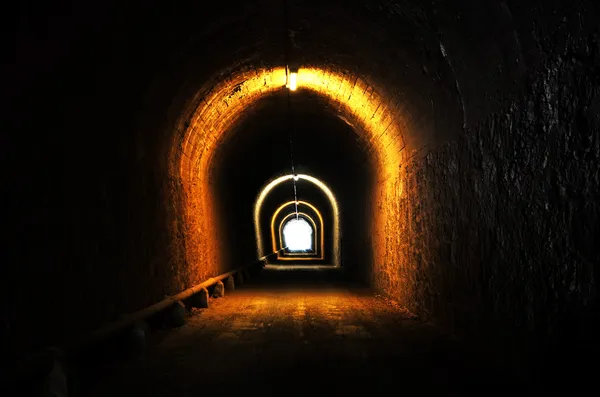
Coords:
pixel 301 267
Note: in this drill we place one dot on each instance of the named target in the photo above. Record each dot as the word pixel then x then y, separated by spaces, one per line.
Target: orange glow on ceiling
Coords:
pixel 221 103
pixel 224 105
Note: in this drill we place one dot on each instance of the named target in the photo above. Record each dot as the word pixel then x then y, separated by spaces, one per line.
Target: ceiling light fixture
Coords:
pixel 292 83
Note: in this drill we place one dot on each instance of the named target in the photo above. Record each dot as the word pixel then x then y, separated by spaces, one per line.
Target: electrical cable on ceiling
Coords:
pixel 289 102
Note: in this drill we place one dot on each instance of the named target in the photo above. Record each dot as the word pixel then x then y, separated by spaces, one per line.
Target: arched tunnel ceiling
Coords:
pixel 162 57
pixel 173 50
pixel 396 47
pixel 323 145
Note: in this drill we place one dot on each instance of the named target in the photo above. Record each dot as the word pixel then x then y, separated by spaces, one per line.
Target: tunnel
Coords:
pixel 444 154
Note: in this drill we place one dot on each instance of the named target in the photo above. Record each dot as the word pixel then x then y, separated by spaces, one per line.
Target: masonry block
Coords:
pixel 54 383
pixel 136 339
pixel 176 315
pixel 200 299
pixel 219 291
pixel 229 284
pixel 239 278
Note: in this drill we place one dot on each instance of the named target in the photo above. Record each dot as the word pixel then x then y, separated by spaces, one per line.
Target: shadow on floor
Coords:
pixel 271 338
pixel 293 278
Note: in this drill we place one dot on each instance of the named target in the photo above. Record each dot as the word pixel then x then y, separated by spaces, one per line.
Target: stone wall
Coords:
pixel 500 226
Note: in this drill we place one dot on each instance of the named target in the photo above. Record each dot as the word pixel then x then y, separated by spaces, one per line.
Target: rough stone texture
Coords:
pixel 503 223
pixel 219 290
pixel 239 278
pixel 229 284
pixel 175 315
pixel 200 299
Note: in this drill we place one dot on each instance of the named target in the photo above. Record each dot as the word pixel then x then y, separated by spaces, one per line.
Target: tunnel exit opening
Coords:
pixel 316 251
pixel 297 235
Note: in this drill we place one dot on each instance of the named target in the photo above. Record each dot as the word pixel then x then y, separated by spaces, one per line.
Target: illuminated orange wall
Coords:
pixel 218 107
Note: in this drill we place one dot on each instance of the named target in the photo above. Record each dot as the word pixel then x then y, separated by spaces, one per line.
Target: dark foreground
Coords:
pixel 290 335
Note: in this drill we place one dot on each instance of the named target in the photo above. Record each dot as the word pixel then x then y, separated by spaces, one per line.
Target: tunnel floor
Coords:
pixel 298 332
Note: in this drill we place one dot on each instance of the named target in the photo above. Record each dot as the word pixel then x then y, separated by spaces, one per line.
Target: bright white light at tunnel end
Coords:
pixel 297 235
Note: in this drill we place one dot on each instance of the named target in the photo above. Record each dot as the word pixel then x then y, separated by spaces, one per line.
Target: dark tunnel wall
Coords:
pixel 496 229
pixel 516 198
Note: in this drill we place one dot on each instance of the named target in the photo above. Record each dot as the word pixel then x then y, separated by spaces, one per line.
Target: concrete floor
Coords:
pixel 292 334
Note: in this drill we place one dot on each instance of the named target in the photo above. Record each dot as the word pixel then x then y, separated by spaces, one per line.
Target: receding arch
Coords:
pixel 336 232
pixel 321 224
pixel 318 238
